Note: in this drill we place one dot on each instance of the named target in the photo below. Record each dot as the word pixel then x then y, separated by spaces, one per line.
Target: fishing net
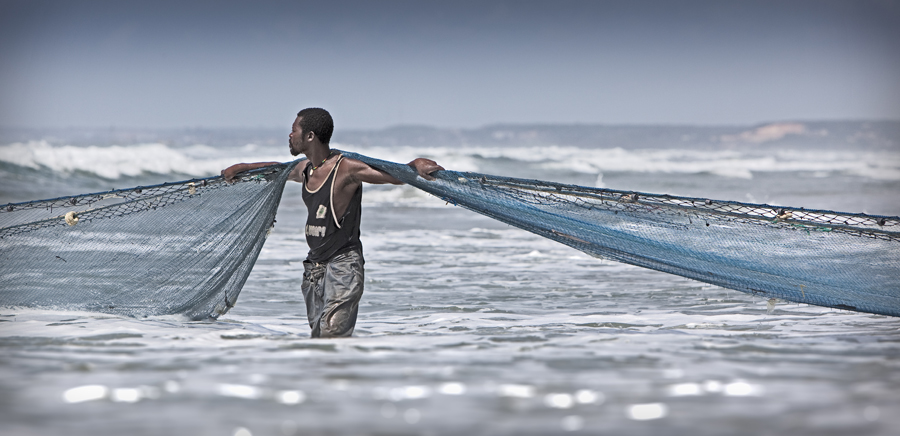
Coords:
pixel 175 248
pixel 188 247
pixel 833 259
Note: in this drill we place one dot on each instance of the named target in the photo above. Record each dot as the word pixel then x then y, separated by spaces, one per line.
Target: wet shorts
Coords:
pixel 332 291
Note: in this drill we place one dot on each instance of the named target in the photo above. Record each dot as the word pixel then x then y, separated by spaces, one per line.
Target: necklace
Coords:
pixel 320 164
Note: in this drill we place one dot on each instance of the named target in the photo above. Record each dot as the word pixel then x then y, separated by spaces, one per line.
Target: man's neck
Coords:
pixel 318 154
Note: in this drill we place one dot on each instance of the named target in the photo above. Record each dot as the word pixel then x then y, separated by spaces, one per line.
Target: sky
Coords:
pixel 461 64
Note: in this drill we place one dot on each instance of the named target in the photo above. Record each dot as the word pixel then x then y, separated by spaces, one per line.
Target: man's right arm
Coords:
pixel 229 173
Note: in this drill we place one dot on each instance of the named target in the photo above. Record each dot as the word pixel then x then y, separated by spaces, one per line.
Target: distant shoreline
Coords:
pixel 860 134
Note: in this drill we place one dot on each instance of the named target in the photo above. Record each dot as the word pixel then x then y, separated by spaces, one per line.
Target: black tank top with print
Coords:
pixel 327 234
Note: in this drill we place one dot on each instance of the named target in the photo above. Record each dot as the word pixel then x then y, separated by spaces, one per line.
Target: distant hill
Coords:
pixel 864 135
pixel 817 134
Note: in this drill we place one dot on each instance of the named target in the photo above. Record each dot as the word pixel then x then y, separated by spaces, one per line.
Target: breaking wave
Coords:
pixel 113 162
pixel 725 163
pixel 116 161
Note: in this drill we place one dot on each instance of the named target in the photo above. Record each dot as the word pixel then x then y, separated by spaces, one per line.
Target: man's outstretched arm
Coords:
pixel 229 173
pixel 362 172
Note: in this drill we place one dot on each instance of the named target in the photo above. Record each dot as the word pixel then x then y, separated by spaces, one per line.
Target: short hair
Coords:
pixel 318 121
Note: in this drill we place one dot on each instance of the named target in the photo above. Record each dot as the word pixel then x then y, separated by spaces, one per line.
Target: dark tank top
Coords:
pixel 326 234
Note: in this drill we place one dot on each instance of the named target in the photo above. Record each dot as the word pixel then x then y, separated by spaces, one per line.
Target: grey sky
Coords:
pixel 450 64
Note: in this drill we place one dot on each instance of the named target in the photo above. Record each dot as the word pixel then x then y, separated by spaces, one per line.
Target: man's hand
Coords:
pixel 229 173
pixel 425 167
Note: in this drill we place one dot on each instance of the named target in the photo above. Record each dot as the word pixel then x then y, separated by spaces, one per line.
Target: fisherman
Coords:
pixel 332 190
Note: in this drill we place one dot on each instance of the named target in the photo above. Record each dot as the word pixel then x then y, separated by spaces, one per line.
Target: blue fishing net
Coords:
pixel 188 247
pixel 825 258
pixel 178 248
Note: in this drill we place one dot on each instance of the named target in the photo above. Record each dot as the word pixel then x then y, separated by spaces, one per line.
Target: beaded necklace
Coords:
pixel 320 164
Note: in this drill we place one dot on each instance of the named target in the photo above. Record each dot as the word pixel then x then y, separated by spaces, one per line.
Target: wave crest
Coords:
pixel 726 163
pixel 115 161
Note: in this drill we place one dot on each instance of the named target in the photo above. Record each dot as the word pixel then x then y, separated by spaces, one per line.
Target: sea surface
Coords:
pixel 467 326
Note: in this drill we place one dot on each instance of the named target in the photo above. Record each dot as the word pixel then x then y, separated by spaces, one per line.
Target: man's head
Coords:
pixel 318 121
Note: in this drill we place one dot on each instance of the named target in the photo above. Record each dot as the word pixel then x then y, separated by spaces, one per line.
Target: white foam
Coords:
pixel 112 162
pixel 726 163
pixel 401 195
pixel 116 161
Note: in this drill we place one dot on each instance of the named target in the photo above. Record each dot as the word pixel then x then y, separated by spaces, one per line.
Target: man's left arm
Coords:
pixel 362 172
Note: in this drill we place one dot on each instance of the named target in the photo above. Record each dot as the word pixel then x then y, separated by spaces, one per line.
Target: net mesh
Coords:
pixel 176 248
pixel 825 258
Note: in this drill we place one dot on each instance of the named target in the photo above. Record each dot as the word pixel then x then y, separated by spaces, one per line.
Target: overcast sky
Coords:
pixel 454 63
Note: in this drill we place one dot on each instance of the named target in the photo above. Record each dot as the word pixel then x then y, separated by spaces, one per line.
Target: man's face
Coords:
pixel 295 139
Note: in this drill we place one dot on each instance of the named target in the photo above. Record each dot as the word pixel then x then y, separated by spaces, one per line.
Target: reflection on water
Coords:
pixel 467 326
pixel 646 412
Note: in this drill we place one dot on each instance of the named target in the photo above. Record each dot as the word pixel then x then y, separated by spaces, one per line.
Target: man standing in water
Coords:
pixel 332 190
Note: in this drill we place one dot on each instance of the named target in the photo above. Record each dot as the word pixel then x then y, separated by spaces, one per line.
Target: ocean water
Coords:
pixel 467 326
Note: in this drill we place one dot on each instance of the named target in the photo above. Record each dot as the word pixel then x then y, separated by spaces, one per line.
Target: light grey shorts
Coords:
pixel 332 291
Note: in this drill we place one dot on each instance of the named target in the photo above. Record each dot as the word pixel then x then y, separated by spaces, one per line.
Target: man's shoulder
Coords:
pixel 298 174
pixel 353 165
pixel 353 172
